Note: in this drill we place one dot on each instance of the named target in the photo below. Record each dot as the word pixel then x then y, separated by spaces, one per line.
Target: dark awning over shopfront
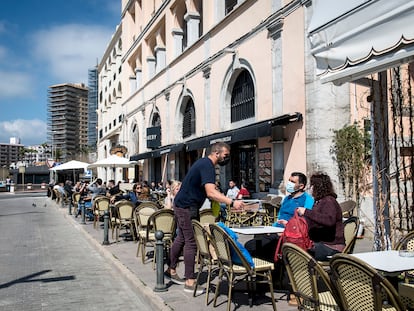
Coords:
pixel 156 153
pixel 354 38
pixel 253 131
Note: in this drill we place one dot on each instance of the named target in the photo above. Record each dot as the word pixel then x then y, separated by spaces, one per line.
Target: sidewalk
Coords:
pixel 143 277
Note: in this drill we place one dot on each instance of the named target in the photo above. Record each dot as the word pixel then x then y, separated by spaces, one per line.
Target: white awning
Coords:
pixel 353 38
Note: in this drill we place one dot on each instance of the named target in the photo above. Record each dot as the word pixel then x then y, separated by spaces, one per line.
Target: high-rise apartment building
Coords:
pixel 92 106
pixel 67 120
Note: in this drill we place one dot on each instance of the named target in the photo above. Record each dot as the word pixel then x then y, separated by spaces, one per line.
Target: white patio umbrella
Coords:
pixel 112 161
pixel 71 166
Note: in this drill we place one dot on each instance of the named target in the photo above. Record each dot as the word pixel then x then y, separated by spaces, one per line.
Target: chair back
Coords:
pixel 350 233
pixel 347 208
pixel 207 217
pixel 149 204
pixel 142 214
pixel 406 242
pixel 76 196
pixel 360 286
pixel 164 221
pixel 224 245
pixel 310 282
pixel 124 209
pixel 202 239
pixel 102 203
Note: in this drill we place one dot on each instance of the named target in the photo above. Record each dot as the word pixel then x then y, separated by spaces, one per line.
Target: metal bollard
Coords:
pixel 106 227
pixel 159 256
pixel 82 203
pixel 70 207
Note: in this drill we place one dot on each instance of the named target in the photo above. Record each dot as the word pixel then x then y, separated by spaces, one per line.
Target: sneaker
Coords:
pixel 174 278
pixel 190 289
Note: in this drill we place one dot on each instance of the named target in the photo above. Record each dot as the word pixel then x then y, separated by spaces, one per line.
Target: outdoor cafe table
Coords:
pixel 389 262
pixel 258 230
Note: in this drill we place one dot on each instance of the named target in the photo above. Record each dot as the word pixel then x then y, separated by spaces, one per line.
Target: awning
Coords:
pixel 156 153
pixel 351 39
pixel 253 131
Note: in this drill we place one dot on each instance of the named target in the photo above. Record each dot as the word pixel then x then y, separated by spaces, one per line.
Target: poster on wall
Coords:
pixel 265 169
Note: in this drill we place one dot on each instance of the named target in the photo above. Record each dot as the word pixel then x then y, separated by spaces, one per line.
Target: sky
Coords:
pixel 42 43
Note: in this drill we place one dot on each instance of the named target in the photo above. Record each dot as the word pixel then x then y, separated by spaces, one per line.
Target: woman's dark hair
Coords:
pixel 321 186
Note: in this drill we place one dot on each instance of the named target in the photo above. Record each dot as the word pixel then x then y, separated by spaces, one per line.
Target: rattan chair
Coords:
pixel 234 273
pixel 361 287
pixel 406 289
pixel 350 233
pixel 141 215
pixel 76 196
pixel 347 208
pixel 310 282
pixel 207 217
pixel 204 255
pixel 122 218
pixel 100 206
pixel 161 220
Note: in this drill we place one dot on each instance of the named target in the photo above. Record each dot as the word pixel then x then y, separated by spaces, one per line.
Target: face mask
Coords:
pixel 290 187
pixel 224 161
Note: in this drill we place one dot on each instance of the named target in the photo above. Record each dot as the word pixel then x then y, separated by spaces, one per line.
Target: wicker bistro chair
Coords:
pixel 122 218
pixel 207 217
pixel 204 254
pixel 76 196
pixel 141 215
pixel 347 208
pixel 406 288
pixel 161 220
pixel 350 233
pixel 310 282
pixel 234 273
pixel 100 206
pixel 361 287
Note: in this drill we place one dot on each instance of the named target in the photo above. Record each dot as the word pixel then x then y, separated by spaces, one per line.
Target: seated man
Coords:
pixel 264 246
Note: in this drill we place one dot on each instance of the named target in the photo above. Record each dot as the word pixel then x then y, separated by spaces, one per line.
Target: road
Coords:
pixel 47 264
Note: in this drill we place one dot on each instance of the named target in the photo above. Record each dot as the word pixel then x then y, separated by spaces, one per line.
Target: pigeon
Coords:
pixel 34 205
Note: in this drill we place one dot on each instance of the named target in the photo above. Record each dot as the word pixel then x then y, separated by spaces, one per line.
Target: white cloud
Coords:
pixel 29 131
pixel 15 84
pixel 68 51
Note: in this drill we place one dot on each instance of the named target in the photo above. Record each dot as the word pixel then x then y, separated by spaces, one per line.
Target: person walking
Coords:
pixel 197 185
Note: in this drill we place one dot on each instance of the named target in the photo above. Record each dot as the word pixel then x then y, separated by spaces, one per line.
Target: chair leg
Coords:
pixel 220 279
pixel 230 282
pixel 269 277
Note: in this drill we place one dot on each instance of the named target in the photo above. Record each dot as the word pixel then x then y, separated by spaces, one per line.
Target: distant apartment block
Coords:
pixel 67 120
pixel 10 153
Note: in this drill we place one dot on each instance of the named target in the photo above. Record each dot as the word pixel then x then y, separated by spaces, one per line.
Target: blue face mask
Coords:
pixel 290 187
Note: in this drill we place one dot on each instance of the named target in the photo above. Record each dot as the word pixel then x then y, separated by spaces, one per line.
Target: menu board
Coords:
pixel 265 169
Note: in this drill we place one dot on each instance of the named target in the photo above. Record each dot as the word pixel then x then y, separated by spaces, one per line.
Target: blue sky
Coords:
pixel 42 43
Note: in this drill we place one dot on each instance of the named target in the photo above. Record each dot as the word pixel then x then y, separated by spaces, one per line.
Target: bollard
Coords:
pixel 70 207
pixel 159 256
pixel 106 227
pixel 82 203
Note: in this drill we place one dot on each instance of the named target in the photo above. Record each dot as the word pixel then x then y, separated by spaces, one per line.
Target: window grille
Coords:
pixel 242 98
pixel 189 119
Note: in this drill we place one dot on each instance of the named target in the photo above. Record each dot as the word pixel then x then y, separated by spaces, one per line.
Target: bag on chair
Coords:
pixel 296 232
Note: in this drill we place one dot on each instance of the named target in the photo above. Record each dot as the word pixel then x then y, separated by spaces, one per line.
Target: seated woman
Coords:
pixel 326 229
pixel 133 196
pixel 171 193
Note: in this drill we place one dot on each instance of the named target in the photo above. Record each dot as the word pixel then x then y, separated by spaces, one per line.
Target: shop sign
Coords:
pixel 154 137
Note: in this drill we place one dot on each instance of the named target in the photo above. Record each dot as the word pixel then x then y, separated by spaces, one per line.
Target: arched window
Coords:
pixel 242 98
pixel 189 119
pixel 156 119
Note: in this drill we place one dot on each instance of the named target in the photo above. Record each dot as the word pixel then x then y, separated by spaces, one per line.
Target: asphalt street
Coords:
pixel 47 264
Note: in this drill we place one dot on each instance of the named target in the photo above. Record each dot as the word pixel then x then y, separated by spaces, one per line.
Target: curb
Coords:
pixel 144 291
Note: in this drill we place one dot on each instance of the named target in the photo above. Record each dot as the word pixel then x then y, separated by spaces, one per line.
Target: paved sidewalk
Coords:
pixel 143 277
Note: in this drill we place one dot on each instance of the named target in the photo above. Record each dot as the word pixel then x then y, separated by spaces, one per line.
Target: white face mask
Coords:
pixel 290 187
